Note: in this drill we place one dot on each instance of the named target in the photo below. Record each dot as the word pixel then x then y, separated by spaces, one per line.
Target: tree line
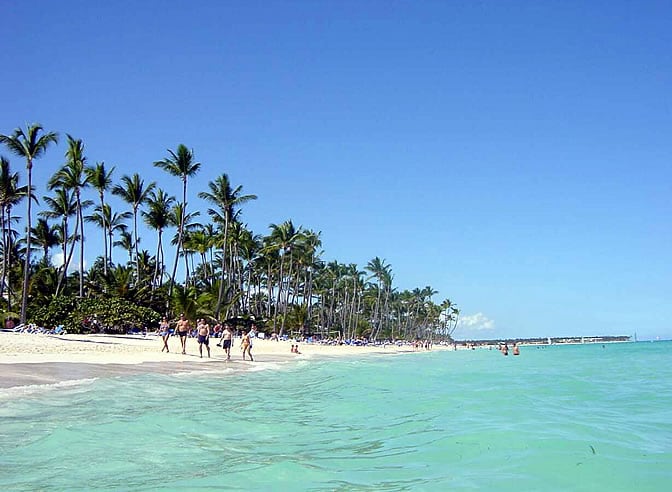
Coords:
pixel 278 279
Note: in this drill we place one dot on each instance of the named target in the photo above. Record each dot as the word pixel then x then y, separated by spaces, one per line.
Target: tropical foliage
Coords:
pixel 279 278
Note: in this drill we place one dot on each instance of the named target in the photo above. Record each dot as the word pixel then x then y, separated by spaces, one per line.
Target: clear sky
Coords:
pixel 515 156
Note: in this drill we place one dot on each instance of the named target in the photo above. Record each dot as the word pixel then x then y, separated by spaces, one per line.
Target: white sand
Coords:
pixel 18 348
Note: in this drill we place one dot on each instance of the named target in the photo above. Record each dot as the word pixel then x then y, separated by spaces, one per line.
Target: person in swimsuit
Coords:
pixel 203 337
pixel 246 345
pixel 226 341
pixel 516 349
pixel 183 331
pixel 164 330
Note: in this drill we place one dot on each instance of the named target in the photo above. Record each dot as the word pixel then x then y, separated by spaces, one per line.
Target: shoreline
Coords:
pixel 40 359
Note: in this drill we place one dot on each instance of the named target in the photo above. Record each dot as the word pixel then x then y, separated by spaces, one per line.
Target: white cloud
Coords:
pixel 475 322
pixel 57 261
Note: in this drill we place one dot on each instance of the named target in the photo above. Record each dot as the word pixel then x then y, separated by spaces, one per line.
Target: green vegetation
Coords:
pixel 278 279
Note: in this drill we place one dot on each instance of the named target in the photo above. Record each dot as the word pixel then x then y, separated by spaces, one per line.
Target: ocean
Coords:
pixel 580 417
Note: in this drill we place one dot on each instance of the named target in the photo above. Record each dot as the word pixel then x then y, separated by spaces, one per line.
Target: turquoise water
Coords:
pixel 555 418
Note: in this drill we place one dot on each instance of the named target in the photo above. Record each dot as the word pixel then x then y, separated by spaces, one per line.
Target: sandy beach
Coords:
pixel 29 359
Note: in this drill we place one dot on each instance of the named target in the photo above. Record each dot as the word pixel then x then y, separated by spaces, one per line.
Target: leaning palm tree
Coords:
pixel 101 180
pixel 134 192
pixel 72 176
pixel 181 164
pixel 30 145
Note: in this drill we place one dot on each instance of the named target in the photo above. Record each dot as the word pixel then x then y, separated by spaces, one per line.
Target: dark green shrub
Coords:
pixel 77 315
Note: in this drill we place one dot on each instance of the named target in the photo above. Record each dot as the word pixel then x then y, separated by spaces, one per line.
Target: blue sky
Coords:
pixel 516 156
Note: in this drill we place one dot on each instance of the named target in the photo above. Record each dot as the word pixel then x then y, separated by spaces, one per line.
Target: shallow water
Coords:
pixel 556 418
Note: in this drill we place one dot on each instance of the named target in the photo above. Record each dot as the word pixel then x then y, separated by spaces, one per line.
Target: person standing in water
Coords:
pixel 516 349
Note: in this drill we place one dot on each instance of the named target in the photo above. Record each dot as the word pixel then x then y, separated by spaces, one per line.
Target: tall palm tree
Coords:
pixel 382 273
pixel 157 217
pixel 282 238
pixel 134 192
pixel 226 199
pixel 30 145
pixel 101 180
pixel 11 195
pixel 181 164
pixel 72 176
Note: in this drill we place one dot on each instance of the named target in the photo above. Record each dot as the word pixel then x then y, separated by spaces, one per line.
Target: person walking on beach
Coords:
pixel 183 331
pixel 227 335
pixel 164 330
pixel 203 337
pixel 246 345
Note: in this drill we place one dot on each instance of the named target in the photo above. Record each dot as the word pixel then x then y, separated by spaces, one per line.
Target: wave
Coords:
pixel 32 389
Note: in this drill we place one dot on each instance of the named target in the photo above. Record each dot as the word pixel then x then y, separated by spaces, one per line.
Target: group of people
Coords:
pixel 203 333
pixel 504 349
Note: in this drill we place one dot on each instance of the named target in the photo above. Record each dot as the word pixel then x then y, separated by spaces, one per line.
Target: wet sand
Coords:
pixel 37 359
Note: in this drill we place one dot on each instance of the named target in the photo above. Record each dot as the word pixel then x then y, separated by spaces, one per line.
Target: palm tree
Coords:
pixel 134 192
pixel 282 238
pixel 115 223
pixel 382 273
pixel 10 195
pixel 29 145
pixel 101 180
pixel 179 216
pixel 72 176
pixel 181 164
pixel 226 199
pixel 61 206
pixel 157 217
pixel 45 236
pixel 127 243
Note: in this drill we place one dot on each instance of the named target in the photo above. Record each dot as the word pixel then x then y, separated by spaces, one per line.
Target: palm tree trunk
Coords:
pixel 5 252
pixel 81 245
pixel 102 213
pixel 277 298
pixel 26 263
pixel 220 293
pixel 159 260
pixel 135 245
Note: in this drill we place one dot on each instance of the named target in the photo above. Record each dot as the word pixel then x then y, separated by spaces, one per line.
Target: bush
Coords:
pixel 77 315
